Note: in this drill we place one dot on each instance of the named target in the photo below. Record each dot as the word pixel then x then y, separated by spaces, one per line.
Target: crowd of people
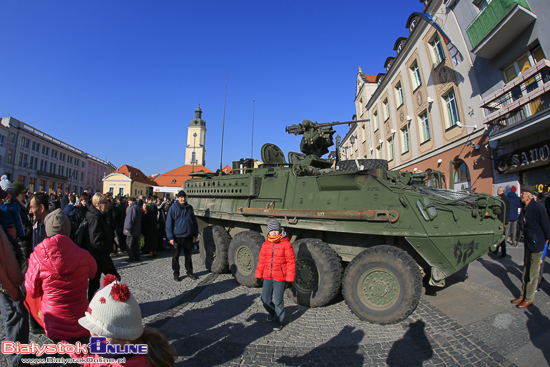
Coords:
pixel 54 250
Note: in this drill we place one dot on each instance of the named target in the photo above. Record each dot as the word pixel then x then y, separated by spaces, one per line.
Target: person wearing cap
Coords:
pixel 132 229
pixel 114 314
pixel 182 231
pixel 515 204
pixel 537 233
pixel 276 266
pixel 59 271
pixel 9 211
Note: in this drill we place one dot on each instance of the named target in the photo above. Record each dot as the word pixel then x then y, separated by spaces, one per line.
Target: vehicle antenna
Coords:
pixel 252 148
pixel 223 124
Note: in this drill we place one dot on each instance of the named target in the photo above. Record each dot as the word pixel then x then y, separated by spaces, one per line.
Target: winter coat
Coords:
pixel 537 227
pixel 11 276
pixel 503 216
pixel 101 236
pixel 277 261
pixel 515 204
pixel 25 242
pixel 181 222
pixel 59 271
pixel 132 222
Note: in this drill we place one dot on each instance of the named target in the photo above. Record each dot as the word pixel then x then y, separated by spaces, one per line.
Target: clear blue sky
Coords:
pixel 120 79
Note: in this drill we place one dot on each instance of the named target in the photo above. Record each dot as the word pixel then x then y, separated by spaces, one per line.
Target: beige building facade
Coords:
pixel 424 112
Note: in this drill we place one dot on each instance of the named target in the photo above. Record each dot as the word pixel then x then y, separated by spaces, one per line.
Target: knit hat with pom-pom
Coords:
pixel 113 312
pixel 5 184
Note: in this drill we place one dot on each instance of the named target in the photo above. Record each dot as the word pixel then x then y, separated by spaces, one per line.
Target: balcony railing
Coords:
pixel 500 22
pixel 490 17
pixel 523 97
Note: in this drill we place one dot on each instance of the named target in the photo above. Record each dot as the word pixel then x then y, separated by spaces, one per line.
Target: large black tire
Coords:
pixel 382 285
pixel 244 253
pixel 318 273
pixel 213 247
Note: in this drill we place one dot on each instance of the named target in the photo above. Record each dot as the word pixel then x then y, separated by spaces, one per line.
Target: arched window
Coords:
pixel 462 176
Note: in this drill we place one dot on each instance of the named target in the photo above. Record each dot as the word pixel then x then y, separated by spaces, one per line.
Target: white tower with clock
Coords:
pixel 196 138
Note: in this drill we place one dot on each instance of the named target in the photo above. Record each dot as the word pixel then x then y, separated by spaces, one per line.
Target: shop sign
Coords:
pixel 523 159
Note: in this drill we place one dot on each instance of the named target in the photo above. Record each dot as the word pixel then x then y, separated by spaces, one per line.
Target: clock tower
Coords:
pixel 196 135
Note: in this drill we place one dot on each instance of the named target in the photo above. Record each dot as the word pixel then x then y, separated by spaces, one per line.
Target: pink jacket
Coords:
pixel 59 271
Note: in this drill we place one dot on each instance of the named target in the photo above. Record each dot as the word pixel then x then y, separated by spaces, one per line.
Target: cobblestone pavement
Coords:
pixel 214 321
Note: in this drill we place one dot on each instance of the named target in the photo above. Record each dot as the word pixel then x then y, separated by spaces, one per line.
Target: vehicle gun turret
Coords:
pixel 317 137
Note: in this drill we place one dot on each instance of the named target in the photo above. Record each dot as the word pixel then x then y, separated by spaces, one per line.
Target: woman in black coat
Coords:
pixel 100 243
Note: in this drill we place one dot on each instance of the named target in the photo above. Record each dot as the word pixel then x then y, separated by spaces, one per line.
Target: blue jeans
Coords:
pixel 16 323
pixel 273 299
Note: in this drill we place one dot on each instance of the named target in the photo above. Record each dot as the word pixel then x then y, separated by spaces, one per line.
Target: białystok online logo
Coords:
pixel 98 345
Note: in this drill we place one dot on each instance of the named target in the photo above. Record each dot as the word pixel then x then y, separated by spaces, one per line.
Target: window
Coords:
pixel 390 149
pixel 437 50
pixel 363 133
pixel 404 140
pixel 375 121
pixel 20 162
pixel 121 191
pixel 10 156
pixel 112 188
pixel 399 94
pixel 386 109
pixel 193 158
pixel 1 140
pixel 415 75
pixel 452 109
pixel 462 173
pixel 12 137
pixel 424 126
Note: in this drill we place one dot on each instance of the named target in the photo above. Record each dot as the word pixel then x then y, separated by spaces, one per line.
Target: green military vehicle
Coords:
pixel 356 226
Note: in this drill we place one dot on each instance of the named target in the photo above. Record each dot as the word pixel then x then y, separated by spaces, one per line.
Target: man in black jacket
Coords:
pixel 503 216
pixel 537 233
pixel 101 241
pixel 181 231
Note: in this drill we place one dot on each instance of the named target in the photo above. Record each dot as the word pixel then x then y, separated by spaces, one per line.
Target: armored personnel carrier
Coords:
pixel 356 226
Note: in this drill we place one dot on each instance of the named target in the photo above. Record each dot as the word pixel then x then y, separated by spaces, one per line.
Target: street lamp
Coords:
pixel 352 141
pixel 460 124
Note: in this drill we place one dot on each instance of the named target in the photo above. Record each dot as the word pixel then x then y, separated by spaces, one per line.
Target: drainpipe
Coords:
pixel 451 175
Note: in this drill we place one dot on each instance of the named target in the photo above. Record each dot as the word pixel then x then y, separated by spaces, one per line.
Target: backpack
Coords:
pixel 82 235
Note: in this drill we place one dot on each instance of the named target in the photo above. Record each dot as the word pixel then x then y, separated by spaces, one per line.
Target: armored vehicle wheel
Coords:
pixel 244 253
pixel 318 273
pixel 382 285
pixel 213 247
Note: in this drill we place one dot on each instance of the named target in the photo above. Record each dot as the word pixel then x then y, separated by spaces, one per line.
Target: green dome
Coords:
pixel 197 121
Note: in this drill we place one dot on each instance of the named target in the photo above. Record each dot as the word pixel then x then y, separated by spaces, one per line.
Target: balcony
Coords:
pixel 50 175
pixel 499 23
pixel 523 102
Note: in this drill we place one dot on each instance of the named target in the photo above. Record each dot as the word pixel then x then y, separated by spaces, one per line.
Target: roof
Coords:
pixel 135 174
pixel 368 78
pixel 227 169
pixel 176 177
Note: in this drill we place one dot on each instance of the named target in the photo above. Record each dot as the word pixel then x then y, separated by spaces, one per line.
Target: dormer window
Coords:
pixel 413 24
pixel 399 48
pixel 388 67
pixel 174 181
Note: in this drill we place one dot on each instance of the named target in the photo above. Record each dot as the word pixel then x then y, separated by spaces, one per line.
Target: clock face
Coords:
pixel 401 116
pixel 419 98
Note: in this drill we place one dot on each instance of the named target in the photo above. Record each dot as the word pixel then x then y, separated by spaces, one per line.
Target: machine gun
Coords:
pixel 317 137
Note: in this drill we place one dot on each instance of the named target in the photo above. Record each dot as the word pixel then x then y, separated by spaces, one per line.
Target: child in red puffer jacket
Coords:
pixel 276 267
